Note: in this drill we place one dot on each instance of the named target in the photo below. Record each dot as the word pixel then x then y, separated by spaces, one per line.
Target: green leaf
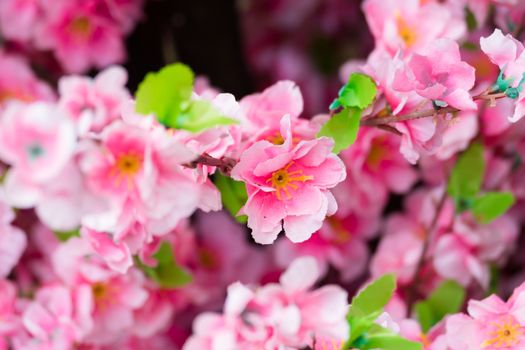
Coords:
pixel 165 93
pixel 389 341
pixel 359 92
pixel 424 315
pixel 233 195
pixel 467 176
pixel 374 296
pixel 491 205
pixel 63 236
pixel 343 128
pixel 199 116
pixel 470 19
pixel 167 274
pixel 446 299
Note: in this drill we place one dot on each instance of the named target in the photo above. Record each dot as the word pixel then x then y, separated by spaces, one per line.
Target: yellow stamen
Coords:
pixel 126 167
pixel 405 32
pixel 80 26
pixel 103 294
pixel 340 234
pixel 507 332
pixel 283 179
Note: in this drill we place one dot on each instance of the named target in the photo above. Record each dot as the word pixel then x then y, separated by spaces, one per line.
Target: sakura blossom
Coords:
pixel 274 175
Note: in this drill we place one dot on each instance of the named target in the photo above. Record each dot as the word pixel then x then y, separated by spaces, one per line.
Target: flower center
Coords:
pixel 126 167
pixel 80 26
pixel 340 234
pixel 283 179
pixel 377 153
pixel 6 95
pixel 406 32
pixel 506 333
pixel 35 151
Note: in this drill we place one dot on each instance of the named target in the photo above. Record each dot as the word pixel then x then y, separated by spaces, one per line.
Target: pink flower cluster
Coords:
pixel 118 232
pixel 82 34
pixel 274 316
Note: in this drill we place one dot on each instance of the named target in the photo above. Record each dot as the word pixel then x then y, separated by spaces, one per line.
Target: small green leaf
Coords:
pixel 233 195
pixel 389 341
pixel 167 274
pixel 467 176
pixel 359 92
pixel 374 296
pixel 165 93
pixel 470 19
pixel 424 315
pixel 63 236
pixel 446 299
pixel 199 116
pixel 343 128
pixel 491 205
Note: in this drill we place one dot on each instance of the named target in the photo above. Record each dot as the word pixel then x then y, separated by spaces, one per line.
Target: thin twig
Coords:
pixel 378 119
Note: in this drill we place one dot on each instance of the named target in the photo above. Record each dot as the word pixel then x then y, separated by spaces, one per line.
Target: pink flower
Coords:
pixel 94 103
pixel 437 72
pixel 79 35
pixel 340 242
pixel 54 319
pixel 288 314
pixel 374 169
pixel 18 82
pixel 466 251
pixel 139 172
pixel 18 18
pixel 508 54
pixel 411 24
pixel 10 320
pixel 288 186
pixel 265 109
pixel 36 140
pixel 111 298
pixel 13 240
pixel 491 324
pixel 419 136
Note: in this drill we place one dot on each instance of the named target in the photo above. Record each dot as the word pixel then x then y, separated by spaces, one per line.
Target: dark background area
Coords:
pixel 204 34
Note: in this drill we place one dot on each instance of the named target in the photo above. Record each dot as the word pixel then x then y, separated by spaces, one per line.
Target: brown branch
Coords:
pixel 224 164
pixel 429 238
pixel 378 119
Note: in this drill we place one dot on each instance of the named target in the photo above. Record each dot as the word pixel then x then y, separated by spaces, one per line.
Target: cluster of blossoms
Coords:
pixel 81 34
pixel 125 221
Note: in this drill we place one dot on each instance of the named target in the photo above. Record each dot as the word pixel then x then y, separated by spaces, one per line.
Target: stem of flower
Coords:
pixel 377 119
pixel 429 237
pixel 224 164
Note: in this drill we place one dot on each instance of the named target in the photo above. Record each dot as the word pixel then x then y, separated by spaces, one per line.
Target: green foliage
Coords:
pixel 387 340
pixel 63 236
pixel 446 299
pixel 373 297
pixel 491 205
pixel 353 98
pixel 359 92
pixel 167 274
pixel 233 195
pixel 343 128
pixel 167 94
pixel 365 308
pixel 467 176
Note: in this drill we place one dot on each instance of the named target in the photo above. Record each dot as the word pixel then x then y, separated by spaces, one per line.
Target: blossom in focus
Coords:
pixel 490 324
pixel 437 72
pixel 509 55
pixel 288 186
